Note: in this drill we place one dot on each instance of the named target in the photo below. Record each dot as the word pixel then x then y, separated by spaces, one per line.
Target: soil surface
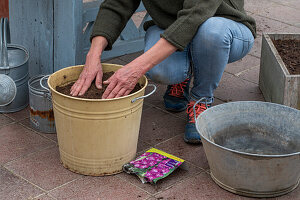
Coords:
pixel 93 92
pixel 289 50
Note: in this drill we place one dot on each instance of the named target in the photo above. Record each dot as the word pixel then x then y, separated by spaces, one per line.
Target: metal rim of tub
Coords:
pixel 254 194
pixel 244 153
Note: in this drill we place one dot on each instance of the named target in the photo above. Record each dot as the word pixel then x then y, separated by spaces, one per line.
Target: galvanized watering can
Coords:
pixel 13 73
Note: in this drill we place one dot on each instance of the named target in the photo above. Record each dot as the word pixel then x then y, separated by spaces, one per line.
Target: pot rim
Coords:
pixel 94 100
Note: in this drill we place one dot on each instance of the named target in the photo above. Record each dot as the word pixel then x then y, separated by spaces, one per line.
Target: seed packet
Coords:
pixel 153 165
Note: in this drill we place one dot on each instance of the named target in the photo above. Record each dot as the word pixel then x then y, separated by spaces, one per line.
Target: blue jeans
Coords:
pixel 218 41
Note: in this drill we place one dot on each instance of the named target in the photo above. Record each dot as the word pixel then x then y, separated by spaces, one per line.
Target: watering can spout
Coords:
pixel 4 39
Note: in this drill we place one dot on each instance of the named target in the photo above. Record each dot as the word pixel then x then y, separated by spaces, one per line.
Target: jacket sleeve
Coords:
pixel 192 15
pixel 112 18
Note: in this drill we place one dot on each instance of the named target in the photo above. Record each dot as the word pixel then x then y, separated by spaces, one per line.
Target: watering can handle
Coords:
pixel 147 95
pixel 194 107
pixel 4 38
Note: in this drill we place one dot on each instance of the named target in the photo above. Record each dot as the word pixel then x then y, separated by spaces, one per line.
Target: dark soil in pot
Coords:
pixel 93 92
pixel 289 51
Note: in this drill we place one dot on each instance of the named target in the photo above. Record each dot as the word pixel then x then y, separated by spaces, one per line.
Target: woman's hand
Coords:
pixel 92 68
pixel 122 82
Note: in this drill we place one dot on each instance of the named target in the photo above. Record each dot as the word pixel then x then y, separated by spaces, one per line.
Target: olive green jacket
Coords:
pixel 179 18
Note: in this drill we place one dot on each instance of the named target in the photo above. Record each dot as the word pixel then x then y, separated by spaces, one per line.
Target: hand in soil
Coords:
pixel 92 69
pixel 121 83
pixel 93 92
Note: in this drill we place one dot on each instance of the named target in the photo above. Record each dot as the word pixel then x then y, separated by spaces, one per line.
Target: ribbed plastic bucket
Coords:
pixel 96 136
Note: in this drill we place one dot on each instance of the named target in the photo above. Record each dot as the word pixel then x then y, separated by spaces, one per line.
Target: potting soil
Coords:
pixel 93 92
pixel 289 51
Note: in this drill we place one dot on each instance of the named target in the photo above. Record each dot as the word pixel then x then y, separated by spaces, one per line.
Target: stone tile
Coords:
pixel 233 88
pixel 142 146
pixel 294 195
pixel 51 136
pixel 256 49
pixel 282 13
pixel 22 114
pixel 217 102
pixel 180 174
pixel 152 198
pixel 107 187
pixel 130 57
pixel 200 187
pixel 274 10
pixel 157 126
pixel 289 3
pixel 266 25
pixel 243 64
pixel 17 141
pixel 251 75
pixel 258 6
pixel 156 99
pixel 44 197
pixel 43 169
pixel 13 187
pixel 138 17
pixel 4 120
pixel 192 153
pixel 289 29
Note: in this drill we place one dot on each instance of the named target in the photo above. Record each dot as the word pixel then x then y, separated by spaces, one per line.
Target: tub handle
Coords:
pixel 47 94
pixel 147 95
pixel 194 107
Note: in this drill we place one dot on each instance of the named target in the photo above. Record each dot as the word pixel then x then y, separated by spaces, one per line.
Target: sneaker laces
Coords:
pixel 177 90
pixel 199 108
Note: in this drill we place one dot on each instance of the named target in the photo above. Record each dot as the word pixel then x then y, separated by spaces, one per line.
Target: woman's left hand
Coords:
pixel 122 82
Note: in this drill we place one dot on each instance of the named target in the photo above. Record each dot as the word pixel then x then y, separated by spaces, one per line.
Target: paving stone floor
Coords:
pixel 29 160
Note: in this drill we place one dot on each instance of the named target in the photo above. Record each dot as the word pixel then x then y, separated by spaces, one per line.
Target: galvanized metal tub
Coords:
pixel 253 148
pixel 41 111
pixel 14 72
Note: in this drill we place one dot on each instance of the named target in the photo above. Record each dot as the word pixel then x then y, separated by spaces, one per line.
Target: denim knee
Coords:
pixel 213 33
pixel 158 75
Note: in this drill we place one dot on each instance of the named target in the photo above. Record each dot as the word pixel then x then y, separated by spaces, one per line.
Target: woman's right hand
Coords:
pixel 92 68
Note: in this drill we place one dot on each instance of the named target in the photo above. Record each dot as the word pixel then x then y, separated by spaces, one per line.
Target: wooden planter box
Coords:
pixel 275 81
